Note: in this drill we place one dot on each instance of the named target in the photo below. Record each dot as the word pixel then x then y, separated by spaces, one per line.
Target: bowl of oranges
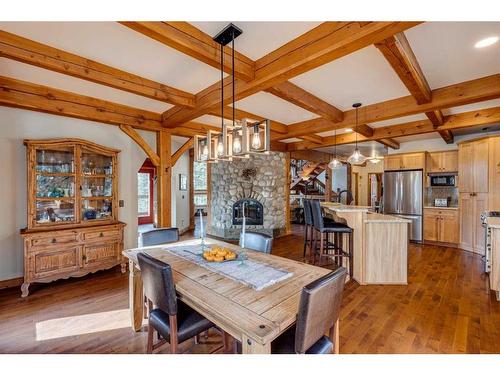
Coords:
pixel 219 254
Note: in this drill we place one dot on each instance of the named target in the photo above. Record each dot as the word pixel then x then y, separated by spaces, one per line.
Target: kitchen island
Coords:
pixel 380 253
pixel 494 254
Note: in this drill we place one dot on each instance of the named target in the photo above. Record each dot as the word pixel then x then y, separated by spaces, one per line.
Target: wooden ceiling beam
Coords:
pixel 389 143
pixel 240 114
pixel 21 94
pixel 364 130
pixel 301 98
pixel 37 54
pixel 186 146
pixel 136 137
pixel 453 122
pixel 397 51
pixel 399 54
pixel 321 45
pixel 473 91
pixel 188 39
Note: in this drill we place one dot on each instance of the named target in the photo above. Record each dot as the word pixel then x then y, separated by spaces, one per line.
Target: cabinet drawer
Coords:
pixel 54 239
pixel 102 235
pixel 94 255
pixel 50 263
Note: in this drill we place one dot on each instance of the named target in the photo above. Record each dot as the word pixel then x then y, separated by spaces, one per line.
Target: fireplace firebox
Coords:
pixel 254 212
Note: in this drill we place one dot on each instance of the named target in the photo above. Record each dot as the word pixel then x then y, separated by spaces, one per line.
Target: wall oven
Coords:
pixel 443 180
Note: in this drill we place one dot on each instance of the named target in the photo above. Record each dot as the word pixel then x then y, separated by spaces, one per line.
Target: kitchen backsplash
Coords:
pixel 434 192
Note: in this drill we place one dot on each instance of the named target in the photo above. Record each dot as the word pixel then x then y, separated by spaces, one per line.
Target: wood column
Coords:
pixel 287 193
pixel 164 179
pixel 191 190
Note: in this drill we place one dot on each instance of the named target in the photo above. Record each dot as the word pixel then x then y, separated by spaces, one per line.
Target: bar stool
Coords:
pixel 308 226
pixel 326 227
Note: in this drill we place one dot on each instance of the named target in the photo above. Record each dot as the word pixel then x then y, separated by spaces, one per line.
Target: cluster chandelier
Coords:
pixel 238 139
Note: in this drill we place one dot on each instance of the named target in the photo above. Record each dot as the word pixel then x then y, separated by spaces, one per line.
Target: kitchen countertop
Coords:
pixel 493 222
pixel 344 207
pixel 442 208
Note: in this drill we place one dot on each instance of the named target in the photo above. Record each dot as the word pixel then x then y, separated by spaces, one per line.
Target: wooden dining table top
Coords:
pixel 236 308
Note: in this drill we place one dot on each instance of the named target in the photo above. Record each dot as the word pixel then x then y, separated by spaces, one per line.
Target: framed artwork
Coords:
pixel 183 182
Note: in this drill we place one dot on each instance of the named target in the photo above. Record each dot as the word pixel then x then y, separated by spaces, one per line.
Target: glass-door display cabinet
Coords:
pixel 70 183
pixel 72 210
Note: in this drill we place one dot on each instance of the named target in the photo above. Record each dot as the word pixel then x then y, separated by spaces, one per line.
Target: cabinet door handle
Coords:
pixel 101 234
pixel 54 240
pixel 84 257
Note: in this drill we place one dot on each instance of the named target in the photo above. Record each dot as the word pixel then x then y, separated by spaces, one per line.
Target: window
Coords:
pixel 143 194
pixel 200 184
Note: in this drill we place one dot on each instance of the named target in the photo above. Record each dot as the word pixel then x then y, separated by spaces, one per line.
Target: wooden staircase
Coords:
pixel 309 170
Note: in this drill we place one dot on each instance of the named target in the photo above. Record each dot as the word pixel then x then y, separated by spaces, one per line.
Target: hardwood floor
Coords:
pixel 445 308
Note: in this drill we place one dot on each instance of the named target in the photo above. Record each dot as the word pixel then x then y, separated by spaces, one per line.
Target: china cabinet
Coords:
pixel 72 226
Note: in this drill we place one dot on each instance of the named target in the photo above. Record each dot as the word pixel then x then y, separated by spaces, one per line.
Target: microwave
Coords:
pixel 443 180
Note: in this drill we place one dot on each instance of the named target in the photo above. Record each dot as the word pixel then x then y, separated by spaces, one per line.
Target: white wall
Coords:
pixel 180 199
pixel 18 124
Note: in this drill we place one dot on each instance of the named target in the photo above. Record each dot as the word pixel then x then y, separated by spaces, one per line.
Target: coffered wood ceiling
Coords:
pixel 412 78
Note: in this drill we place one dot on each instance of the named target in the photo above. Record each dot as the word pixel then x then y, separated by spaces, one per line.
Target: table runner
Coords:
pixel 254 274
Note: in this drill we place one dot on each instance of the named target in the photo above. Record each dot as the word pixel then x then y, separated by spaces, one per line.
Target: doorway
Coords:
pixel 145 193
pixel 374 189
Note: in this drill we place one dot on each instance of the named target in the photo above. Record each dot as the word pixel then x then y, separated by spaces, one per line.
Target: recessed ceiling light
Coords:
pixel 486 42
pixel 348 130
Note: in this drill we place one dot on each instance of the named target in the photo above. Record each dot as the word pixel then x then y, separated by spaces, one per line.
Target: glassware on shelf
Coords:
pixel 93 209
pixel 55 211
pixel 54 186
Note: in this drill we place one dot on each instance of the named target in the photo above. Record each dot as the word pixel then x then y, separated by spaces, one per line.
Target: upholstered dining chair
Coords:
pixel 257 241
pixel 319 311
pixel 159 236
pixel 174 321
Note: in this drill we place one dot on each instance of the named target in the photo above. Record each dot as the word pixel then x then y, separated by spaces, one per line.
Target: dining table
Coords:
pixel 253 317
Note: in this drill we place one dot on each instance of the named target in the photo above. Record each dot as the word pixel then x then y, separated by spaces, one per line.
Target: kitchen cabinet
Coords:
pixel 440 162
pixel 441 225
pixel 473 166
pixel 472 205
pixel 494 174
pixel 415 160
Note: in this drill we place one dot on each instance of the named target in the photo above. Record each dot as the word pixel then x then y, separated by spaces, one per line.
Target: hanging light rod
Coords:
pixel 227 34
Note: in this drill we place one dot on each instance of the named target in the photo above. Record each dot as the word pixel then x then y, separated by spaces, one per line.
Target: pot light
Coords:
pixel 348 130
pixel 486 42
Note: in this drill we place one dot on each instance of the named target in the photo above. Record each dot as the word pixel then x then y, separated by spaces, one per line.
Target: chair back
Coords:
pixel 319 308
pixel 307 212
pixel 257 241
pixel 317 214
pixel 158 283
pixel 159 236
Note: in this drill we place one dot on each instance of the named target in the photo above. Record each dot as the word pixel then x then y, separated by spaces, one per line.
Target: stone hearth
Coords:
pixel 260 177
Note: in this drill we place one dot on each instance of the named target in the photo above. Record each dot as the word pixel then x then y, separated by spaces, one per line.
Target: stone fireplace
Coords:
pixel 254 212
pixel 260 182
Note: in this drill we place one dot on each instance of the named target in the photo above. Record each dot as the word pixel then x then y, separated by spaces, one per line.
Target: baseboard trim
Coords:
pixel 11 283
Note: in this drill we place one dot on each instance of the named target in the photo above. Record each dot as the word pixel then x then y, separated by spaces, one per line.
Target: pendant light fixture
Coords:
pixel 335 163
pixel 357 158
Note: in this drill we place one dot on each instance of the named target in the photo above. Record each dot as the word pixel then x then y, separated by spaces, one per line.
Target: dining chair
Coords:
pixel 324 227
pixel 319 311
pixel 159 236
pixel 257 241
pixel 174 321
pixel 308 226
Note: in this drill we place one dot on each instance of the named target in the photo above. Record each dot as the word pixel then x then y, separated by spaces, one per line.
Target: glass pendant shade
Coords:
pixel 356 158
pixel 335 164
pixel 220 147
pixel 236 145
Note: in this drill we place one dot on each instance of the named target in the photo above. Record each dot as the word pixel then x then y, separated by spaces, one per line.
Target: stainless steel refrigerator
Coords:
pixel 403 197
